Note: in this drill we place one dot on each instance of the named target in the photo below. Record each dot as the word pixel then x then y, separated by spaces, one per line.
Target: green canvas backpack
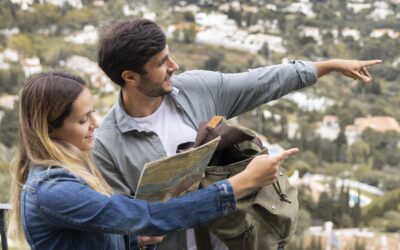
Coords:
pixel 266 218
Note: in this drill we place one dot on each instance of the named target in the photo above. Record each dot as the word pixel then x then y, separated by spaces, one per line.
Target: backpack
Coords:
pixel 266 218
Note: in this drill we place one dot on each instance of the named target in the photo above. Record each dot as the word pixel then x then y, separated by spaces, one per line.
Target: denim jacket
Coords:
pixel 60 211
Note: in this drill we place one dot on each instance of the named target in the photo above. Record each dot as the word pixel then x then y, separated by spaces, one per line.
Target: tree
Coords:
pixel 356 210
pixel 264 51
pixel 315 244
pixel 359 152
pixel 325 207
pixel 359 245
pixel 189 33
pixel 11 80
pixel 213 63
pixel 188 17
pixel 23 44
pixel 9 127
pixel 304 221
pixel 393 221
pixel 301 166
pixel 346 221
pixel 5 180
pixel 7 14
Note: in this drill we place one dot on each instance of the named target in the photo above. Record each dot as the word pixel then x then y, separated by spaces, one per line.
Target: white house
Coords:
pixel 303 7
pixel 31 66
pixel 308 102
pixel 378 33
pixel 74 3
pixel 84 65
pixel 25 4
pixel 351 32
pixel 358 7
pixel 7 101
pixel 88 35
pixel 9 32
pixel 329 127
pixel 219 30
pixel 381 11
pixel 190 8
pixel 10 55
pixel 312 32
pixel 3 64
pixel 396 62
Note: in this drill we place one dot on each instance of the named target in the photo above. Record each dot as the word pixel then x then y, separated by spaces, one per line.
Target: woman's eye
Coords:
pixel 83 120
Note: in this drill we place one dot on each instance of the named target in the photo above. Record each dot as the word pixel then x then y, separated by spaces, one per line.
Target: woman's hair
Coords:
pixel 45 101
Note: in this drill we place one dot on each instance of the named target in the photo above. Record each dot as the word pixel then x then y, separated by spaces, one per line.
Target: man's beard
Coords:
pixel 152 89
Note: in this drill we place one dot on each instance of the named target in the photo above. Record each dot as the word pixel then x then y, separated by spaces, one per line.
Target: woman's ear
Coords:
pixel 50 130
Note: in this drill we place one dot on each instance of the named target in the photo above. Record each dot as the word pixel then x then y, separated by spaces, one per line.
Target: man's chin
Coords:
pixel 168 87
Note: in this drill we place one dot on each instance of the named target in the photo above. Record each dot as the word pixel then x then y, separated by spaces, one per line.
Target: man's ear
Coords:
pixel 130 77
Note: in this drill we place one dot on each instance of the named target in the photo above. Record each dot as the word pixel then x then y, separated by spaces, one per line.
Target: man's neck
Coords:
pixel 138 105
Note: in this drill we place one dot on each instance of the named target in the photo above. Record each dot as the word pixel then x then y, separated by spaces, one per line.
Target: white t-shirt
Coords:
pixel 170 127
pixel 168 124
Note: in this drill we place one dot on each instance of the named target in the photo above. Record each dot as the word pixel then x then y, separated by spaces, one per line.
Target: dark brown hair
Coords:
pixel 128 45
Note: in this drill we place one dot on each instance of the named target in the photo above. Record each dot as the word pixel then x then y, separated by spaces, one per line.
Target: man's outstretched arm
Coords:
pixel 351 68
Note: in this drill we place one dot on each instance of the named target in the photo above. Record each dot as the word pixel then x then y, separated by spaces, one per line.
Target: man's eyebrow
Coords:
pixel 164 59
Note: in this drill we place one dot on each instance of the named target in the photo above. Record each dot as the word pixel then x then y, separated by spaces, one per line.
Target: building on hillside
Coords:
pixel 88 35
pixel 377 123
pixel 329 127
pixel 378 33
pixel 142 11
pixel 10 55
pixel 8 101
pixel 3 64
pixel 9 32
pixel 396 62
pixel 73 3
pixel 80 64
pixel 380 11
pixel 303 7
pixel 31 66
pixel 358 7
pixel 313 32
pixel 307 102
pixel 346 32
pixel 219 30
pixel 25 4
pixel 188 8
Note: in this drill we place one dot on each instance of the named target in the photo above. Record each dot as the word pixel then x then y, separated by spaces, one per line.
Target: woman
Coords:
pixel 61 200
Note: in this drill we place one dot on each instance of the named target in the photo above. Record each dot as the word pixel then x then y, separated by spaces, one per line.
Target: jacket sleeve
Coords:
pixel 67 202
pixel 232 94
pixel 109 169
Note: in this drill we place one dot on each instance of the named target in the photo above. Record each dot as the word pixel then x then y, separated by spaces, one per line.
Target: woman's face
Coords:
pixel 78 128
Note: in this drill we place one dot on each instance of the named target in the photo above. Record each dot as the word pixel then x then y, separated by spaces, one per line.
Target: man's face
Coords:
pixel 157 79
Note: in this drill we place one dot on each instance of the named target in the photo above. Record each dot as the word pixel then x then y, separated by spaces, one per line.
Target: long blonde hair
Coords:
pixel 45 101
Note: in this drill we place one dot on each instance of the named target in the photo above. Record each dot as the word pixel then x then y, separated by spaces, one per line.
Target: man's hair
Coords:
pixel 128 45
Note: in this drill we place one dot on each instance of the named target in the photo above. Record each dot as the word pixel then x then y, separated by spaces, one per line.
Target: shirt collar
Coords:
pixel 125 122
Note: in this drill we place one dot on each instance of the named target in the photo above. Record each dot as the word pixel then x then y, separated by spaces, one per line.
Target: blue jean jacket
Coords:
pixel 60 211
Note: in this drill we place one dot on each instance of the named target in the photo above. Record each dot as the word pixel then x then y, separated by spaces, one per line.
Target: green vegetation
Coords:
pixel 374 159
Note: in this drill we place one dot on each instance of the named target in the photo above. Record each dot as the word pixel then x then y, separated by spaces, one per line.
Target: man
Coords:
pixel 156 111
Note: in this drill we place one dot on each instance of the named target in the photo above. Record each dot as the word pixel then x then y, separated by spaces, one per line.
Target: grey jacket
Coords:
pixel 122 148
